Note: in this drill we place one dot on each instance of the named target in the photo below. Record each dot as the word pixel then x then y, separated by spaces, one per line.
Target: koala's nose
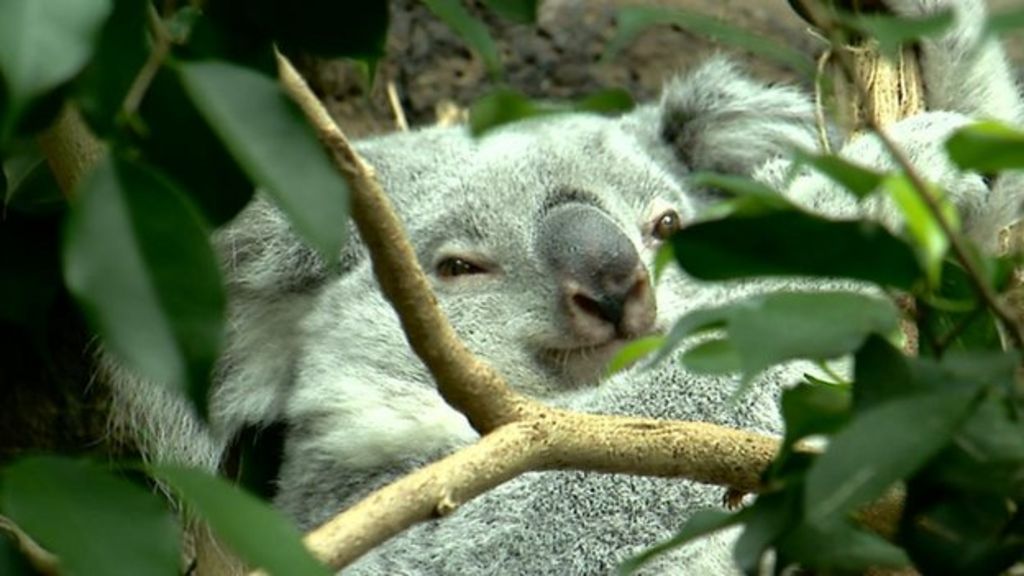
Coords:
pixel 599 271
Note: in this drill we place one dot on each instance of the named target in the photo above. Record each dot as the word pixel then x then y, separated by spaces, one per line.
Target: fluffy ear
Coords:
pixel 717 118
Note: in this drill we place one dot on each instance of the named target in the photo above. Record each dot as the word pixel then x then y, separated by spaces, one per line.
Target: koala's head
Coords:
pixel 539 237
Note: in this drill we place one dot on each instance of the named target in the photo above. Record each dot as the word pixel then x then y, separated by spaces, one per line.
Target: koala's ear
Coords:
pixel 716 118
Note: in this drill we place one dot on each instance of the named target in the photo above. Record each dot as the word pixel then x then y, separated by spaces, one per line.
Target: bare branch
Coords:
pixel 41 559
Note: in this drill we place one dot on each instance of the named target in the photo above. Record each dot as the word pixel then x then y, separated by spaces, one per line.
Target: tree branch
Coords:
pixel 519 434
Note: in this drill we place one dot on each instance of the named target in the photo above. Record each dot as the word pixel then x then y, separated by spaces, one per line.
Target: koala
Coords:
pixel 539 240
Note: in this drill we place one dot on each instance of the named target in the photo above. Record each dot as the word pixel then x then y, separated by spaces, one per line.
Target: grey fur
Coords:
pixel 327 356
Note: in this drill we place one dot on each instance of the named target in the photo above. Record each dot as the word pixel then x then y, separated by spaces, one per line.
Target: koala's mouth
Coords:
pixel 583 364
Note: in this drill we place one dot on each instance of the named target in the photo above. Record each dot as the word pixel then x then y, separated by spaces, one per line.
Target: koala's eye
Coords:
pixel 666 225
pixel 453 266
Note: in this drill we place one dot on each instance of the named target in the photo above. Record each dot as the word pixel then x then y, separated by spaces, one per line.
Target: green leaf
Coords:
pixel 522 11
pixel 32 187
pixel 138 260
pixel 880 374
pixel 662 259
pixel 774 328
pixel 947 532
pixel 891 32
pixel 931 241
pixel 987 147
pixel 633 20
pixel 258 533
pixel 472 31
pixel 43 44
pixel 609 101
pixel 878 449
pixel 987 455
pixel 268 135
pixel 12 562
pixel 776 244
pixel 1005 21
pixel 813 409
pixel 693 323
pixel 717 356
pixel 120 54
pixel 330 28
pixel 764 522
pixel 838 547
pixel 204 168
pixel 856 179
pixel 702 523
pixel 768 329
pixel 501 107
pixel 633 352
pixel 94 521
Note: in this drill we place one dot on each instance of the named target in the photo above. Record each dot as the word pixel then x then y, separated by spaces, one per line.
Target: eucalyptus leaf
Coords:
pixel 633 20
pixel 258 533
pixel 43 44
pixel 138 260
pixel 522 11
pixel 929 237
pixel 776 243
pixel 120 54
pixel 271 139
pixel 716 356
pixel 702 523
pixel 877 450
pixel 987 147
pixel 455 14
pixel 855 179
pixel 94 521
pixel 634 352
pixel 204 169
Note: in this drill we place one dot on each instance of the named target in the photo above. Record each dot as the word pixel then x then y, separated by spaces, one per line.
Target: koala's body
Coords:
pixel 539 239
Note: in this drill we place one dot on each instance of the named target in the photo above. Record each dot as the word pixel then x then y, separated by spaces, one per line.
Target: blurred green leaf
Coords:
pixel 12 562
pixel 662 259
pixel 472 31
pixel 838 548
pixel 634 352
pixel 856 179
pixel 717 356
pixel 746 197
pixel 1004 21
pixel 702 523
pixel 501 107
pixel 270 138
pixel 609 101
pixel 776 244
pixel 893 31
pixel 43 44
pixel 813 409
pixel 522 11
pixel 633 20
pixel 256 532
pixel 120 54
pixel 94 521
pixel 504 106
pixel 138 260
pixel 930 239
pixel 763 523
pixel 881 374
pixel 32 188
pixel 773 328
pixel 767 329
pixel 987 147
pixel 204 168
pixel 877 450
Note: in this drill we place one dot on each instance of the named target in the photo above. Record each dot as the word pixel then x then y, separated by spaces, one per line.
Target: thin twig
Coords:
pixel 396 107
pixel 41 559
pixel 161 47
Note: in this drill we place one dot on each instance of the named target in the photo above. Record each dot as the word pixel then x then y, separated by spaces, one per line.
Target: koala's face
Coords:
pixel 539 240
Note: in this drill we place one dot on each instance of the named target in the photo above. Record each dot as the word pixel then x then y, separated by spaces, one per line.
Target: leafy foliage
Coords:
pixel 192 120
